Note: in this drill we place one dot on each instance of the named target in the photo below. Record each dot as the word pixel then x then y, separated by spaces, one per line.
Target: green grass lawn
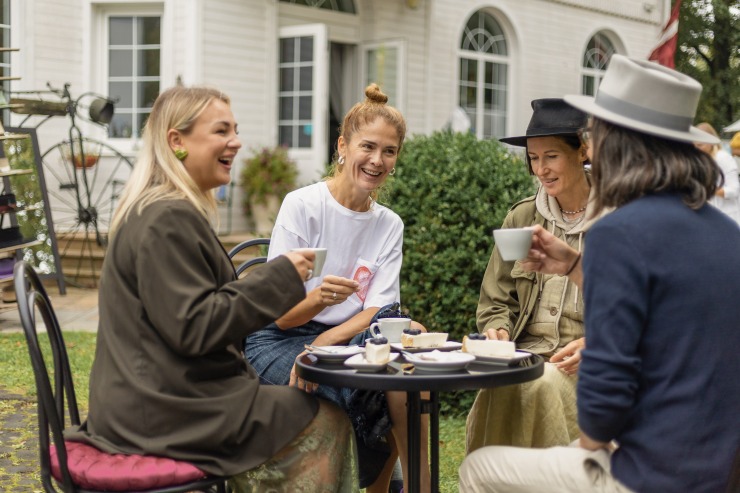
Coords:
pixel 19 457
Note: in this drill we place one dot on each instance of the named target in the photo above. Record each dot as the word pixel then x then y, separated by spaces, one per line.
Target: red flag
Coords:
pixel 665 52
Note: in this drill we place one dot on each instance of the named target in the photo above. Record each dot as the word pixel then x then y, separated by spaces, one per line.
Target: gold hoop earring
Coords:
pixel 392 172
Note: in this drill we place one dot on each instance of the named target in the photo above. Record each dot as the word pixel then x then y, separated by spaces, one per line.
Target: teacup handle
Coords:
pixel 373 328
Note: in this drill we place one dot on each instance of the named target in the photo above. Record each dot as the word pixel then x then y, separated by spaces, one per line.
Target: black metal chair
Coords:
pixel 57 405
pixel 260 259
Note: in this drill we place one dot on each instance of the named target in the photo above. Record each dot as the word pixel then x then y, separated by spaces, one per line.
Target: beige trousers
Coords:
pixel 552 470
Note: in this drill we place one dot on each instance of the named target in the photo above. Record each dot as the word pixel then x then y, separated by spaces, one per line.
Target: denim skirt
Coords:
pixel 272 353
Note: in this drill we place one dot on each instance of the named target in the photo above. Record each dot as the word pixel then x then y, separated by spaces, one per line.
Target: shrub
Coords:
pixel 451 190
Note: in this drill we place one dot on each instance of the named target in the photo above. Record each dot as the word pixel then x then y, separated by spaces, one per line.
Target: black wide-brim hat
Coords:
pixel 551 117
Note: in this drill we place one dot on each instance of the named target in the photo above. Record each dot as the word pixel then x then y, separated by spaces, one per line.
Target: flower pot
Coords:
pixel 264 216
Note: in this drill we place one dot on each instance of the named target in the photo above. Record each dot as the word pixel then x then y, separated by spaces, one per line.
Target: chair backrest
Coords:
pixel 260 259
pixel 57 409
pixel 57 403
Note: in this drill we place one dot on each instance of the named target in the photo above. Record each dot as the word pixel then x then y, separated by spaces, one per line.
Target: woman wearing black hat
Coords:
pixel 542 313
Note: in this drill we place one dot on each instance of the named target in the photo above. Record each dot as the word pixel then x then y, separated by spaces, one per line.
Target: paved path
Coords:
pixel 77 311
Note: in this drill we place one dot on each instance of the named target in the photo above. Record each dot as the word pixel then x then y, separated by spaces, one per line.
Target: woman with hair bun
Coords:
pixel 364 242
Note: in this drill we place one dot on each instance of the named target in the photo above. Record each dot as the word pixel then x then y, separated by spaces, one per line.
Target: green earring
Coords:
pixel 181 153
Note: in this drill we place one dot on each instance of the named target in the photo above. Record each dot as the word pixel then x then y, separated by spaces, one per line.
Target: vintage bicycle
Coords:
pixel 84 176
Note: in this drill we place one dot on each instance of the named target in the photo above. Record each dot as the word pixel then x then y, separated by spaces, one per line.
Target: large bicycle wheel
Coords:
pixel 83 194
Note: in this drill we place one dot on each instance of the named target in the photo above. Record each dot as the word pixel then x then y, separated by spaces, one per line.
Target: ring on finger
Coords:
pixel 334 296
pixel 309 274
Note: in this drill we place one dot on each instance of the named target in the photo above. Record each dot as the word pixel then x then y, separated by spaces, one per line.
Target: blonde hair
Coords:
pixel 708 128
pixel 158 174
pixel 362 114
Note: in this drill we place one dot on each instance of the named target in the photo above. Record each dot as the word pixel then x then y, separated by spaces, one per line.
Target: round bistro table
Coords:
pixel 400 375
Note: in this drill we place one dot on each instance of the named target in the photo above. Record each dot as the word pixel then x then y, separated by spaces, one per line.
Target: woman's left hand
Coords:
pixel 296 381
pixel 568 359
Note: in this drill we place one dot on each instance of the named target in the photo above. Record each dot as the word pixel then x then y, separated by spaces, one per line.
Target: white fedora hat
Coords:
pixel 646 97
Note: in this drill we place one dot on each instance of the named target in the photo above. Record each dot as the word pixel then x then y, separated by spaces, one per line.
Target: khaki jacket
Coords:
pixel 508 293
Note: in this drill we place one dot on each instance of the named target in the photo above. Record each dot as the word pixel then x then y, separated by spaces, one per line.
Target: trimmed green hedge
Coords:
pixel 451 190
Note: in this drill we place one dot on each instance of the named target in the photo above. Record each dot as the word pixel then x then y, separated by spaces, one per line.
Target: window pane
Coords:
pixel 304 107
pixel 304 136
pixel 306 54
pixel 148 63
pixel 147 93
pixel 121 63
pixel 287 49
pixel 149 30
pixel 121 31
pixel 286 108
pixel 120 126
pixel 123 93
pixel 141 119
pixel 286 79
pixel 286 136
pixel 306 75
pixel 588 85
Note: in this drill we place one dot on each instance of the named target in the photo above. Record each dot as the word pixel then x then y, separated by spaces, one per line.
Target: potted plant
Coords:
pixel 268 175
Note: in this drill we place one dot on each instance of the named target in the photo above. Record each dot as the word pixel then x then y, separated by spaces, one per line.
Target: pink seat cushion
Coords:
pixel 93 469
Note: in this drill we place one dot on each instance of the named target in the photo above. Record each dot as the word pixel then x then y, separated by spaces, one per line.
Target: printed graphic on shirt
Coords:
pixel 363 272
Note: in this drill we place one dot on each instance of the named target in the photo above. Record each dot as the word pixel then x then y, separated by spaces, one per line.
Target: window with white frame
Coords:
pixel 595 61
pixel 382 64
pixel 484 66
pixel 134 70
pixel 347 6
pixel 296 91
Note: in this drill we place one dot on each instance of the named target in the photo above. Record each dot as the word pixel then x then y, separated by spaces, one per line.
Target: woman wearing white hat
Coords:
pixel 658 393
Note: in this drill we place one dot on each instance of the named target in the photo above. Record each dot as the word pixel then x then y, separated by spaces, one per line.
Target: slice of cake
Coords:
pixel 479 345
pixel 415 338
pixel 377 350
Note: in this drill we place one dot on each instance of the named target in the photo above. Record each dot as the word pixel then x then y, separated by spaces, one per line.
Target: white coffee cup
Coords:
pixel 513 243
pixel 390 328
pixel 318 263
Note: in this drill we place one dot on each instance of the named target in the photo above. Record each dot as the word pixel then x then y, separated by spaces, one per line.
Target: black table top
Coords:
pixel 399 375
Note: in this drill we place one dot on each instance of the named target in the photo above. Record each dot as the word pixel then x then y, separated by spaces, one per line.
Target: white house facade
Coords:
pixel 293 67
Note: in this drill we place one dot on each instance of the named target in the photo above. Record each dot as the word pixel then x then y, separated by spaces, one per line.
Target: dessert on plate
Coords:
pixel 479 345
pixel 377 350
pixel 415 338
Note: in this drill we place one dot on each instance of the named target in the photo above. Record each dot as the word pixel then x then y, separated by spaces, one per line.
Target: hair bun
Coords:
pixel 375 95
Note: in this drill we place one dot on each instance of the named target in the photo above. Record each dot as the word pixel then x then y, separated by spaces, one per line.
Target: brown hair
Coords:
pixel 628 165
pixel 363 113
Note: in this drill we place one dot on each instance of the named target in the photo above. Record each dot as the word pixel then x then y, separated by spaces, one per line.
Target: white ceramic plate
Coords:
pixel 518 356
pixel 448 346
pixel 359 362
pixel 443 361
pixel 335 354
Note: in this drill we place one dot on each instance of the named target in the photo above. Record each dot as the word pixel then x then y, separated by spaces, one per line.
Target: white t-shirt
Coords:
pixel 365 246
pixel 730 203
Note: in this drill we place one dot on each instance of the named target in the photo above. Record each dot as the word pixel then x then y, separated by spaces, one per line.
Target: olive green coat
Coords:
pixel 169 378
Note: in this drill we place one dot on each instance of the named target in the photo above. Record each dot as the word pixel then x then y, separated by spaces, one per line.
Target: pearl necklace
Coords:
pixel 573 212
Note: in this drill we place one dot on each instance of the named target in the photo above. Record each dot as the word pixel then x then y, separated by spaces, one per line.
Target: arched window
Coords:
pixel 484 63
pixel 347 6
pixel 595 60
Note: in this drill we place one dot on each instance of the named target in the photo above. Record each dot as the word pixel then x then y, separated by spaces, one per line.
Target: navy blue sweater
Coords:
pixel 661 370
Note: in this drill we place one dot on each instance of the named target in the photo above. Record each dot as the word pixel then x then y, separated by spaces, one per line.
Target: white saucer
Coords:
pixel 448 361
pixel 328 354
pixel 497 360
pixel 359 362
pixel 448 346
